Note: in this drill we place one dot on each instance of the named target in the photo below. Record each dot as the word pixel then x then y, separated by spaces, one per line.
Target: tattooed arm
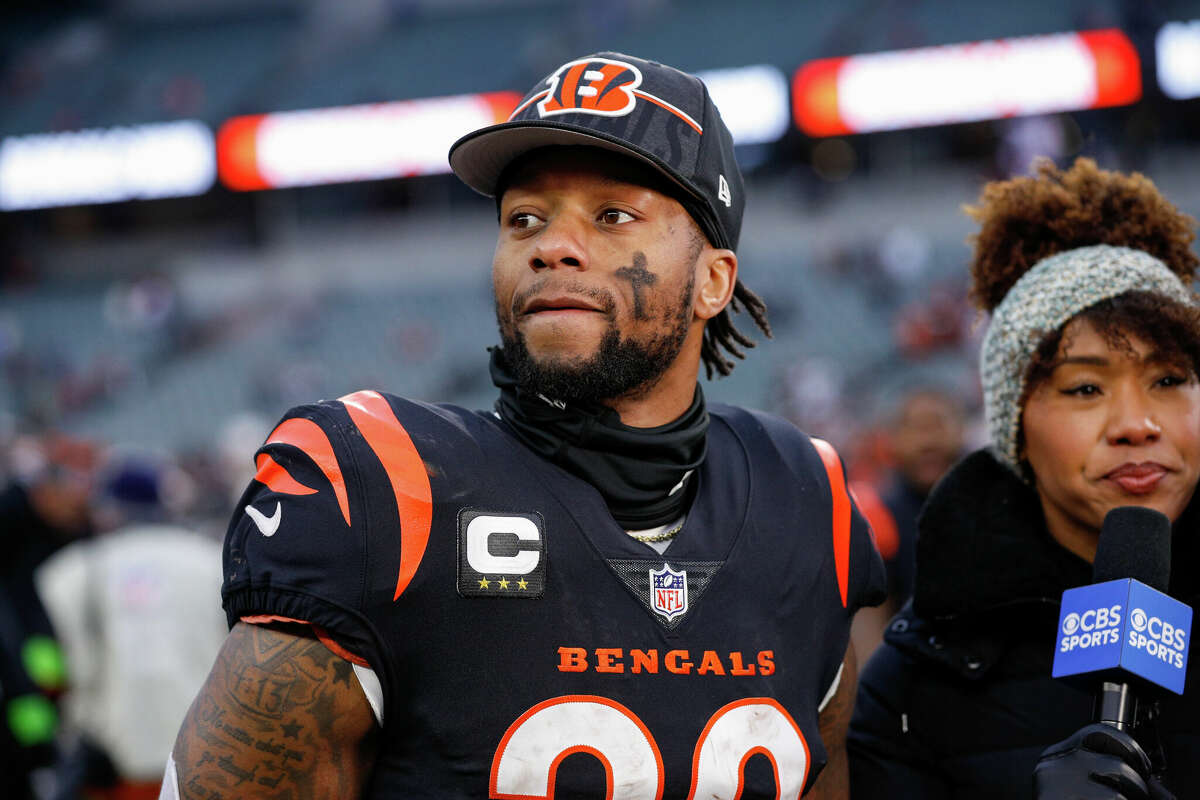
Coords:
pixel 279 716
pixel 834 781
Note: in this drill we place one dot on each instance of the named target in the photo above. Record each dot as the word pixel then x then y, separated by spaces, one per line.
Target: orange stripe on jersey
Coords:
pixel 324 638
pixel 277 479
pixel 841 514
pixel 308 436
pixel 405 469
pixel 267 619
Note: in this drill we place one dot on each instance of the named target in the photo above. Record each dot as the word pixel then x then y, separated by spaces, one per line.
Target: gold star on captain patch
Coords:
pixel 523 584
pixel 503 584
pixel 483 583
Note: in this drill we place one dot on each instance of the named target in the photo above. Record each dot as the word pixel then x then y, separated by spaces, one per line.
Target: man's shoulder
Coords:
pixel 743 419
pixel 356 418
pixel 342 488
pixel 761 433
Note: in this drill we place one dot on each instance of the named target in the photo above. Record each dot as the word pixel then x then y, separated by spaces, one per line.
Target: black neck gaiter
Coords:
pixel 642 473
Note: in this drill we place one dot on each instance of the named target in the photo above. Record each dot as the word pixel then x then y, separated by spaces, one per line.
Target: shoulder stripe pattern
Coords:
pixel 406 471
pixel 312 441
pixel 277 479
pixel 841 513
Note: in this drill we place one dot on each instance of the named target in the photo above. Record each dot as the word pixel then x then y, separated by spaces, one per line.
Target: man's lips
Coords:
pixel 542 305
pixel 1140 478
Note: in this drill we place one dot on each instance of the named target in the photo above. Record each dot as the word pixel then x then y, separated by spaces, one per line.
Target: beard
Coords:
pixel 619 368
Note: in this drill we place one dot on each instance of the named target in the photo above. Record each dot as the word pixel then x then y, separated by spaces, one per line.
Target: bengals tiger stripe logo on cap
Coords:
pixel 600 86
pixel 592 86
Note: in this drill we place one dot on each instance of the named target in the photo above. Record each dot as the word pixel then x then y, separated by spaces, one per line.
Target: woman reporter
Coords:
pixel 1091 379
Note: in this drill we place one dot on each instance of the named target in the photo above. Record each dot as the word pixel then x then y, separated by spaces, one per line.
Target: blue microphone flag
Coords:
pixel 1126 628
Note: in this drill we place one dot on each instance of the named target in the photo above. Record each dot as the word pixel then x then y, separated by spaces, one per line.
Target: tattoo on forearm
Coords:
pixel 271 716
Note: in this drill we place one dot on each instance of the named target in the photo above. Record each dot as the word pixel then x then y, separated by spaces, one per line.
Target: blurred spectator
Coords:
pixel 925 431
pixel 811 393
pixel 239 433
pixel 1023 139
pixel 936 323
pixel 927 437
pixel 116 602
pixel 42 508
pixel 904 255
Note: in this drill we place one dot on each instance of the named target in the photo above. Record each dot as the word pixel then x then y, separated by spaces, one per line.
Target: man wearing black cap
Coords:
pixel 604 586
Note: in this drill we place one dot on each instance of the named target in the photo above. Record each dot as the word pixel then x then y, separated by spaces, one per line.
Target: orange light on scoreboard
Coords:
pixel 966 82
pixel 351 143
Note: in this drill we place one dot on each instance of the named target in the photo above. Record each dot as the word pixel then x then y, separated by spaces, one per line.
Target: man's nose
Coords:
pixel 561 243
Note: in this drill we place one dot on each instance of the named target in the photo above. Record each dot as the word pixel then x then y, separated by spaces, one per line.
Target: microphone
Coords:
pixel 1123 630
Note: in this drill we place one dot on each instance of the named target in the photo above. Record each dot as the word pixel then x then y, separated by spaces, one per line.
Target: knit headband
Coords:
pixel 1052 292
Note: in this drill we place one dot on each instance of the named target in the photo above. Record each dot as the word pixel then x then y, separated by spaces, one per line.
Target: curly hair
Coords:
pixel 1026 219
pixel 1170 329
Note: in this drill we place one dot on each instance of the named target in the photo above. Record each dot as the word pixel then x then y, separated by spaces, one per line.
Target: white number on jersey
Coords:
pixel 529 754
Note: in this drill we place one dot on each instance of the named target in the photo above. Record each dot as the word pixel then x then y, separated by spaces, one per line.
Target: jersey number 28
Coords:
pixel 527 759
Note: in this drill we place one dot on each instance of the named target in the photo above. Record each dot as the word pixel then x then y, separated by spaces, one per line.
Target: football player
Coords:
pixel 605 587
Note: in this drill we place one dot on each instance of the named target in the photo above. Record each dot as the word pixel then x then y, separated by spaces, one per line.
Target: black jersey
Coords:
pixel 526 645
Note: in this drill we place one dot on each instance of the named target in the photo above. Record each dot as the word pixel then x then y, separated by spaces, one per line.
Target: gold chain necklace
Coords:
pixel 651 538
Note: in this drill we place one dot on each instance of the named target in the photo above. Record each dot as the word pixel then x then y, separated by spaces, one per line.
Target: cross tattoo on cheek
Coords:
pixel 638 277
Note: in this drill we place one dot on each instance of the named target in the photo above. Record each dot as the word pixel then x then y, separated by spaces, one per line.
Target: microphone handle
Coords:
pixel 1116 705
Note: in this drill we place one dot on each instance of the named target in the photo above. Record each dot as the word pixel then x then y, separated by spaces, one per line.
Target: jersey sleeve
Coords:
pixel 814 465
pixel 291 550
pixel 862 577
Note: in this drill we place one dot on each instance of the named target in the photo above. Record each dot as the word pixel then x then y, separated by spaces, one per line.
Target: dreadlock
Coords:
pixel 721 334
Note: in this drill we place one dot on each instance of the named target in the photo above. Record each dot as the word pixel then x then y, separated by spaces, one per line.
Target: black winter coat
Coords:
pixel 958 702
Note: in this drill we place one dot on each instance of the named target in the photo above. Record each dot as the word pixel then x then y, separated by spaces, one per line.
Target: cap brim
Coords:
pixel 480 158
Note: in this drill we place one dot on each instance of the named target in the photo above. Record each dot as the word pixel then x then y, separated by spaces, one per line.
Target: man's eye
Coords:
pixel 523 220
pixel 615 216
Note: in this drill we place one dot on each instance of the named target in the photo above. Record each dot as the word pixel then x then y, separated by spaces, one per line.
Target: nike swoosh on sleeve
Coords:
pixel 266 525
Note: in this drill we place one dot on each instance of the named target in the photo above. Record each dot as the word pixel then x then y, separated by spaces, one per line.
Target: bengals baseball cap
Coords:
pixel 654 113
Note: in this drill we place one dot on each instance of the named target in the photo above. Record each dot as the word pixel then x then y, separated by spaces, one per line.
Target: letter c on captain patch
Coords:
pixel 501 554
pixel 480 555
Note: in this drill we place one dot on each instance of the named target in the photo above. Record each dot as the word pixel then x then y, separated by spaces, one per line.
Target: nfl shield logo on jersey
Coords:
pixel 668 591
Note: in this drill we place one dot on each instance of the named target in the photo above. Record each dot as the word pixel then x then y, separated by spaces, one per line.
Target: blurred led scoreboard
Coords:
pixel 966 82
pixel 353 143
pixel 826 97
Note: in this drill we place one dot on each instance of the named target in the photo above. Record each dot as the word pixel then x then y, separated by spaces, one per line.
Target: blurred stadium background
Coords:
pixel 213 209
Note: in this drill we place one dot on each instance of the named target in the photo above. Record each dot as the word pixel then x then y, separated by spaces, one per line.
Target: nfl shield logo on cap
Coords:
pixel 668 591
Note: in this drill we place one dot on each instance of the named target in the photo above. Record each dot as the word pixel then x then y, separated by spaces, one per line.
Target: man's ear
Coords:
pixel 716 276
